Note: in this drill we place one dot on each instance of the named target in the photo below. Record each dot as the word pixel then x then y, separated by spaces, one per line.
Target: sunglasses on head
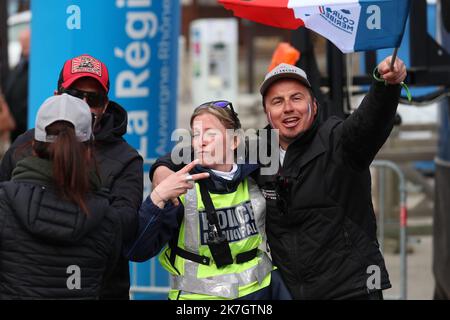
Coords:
pixel 220 104
pixel 93 99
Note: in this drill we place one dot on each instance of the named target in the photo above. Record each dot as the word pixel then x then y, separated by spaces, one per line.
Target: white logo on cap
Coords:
pixel 86 64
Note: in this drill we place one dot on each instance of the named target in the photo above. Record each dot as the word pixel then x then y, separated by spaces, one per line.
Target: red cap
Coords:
pixel 83 66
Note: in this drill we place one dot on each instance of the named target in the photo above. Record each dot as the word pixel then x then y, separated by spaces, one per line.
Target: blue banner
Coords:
pixel 138 42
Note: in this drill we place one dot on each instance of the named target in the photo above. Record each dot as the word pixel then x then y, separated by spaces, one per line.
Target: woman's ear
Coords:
pixel 236 141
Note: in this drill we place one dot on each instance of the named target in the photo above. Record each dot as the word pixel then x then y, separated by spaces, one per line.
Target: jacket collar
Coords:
pixel 300 155
pixel 41 171
pixel 302 150
pixel 113 124
pixel 218 185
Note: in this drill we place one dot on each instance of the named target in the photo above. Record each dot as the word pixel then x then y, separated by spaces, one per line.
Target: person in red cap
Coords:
pixel 120 165
pixel 86 78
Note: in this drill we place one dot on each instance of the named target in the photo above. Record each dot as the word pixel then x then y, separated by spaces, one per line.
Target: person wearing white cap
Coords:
pixel 323 206
pixel 58 237
pixel 320 221
pixel 120 165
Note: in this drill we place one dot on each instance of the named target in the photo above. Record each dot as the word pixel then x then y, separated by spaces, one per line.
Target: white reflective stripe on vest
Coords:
pixel 191 239
pixel 259 208
pixel 227 285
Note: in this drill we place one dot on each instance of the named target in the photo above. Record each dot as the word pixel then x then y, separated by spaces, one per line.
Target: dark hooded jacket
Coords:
pixel 121 172
pixel 50 248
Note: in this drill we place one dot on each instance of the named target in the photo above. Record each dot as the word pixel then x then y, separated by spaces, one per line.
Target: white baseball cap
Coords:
pixel 64 108
pixel 284 71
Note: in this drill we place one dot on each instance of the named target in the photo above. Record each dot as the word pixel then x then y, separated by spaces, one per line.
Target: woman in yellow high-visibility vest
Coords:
pixel 214 233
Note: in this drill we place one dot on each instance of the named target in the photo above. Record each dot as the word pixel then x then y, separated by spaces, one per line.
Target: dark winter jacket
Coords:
pixel 49 248
pixel 321 225
pixel 320 220
pixel 121 173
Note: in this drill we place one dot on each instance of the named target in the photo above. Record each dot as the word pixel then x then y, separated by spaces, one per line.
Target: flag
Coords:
pixel 352 25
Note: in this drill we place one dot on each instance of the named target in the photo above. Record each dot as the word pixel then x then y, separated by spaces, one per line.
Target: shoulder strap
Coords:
pixel 217 241
pixel 209 207
pixel 173 243
pixel 219 247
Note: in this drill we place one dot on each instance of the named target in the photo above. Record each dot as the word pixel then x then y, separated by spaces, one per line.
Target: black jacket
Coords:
pixel 321 227
pixel 44 240
pixel 121 172
pixel 320 220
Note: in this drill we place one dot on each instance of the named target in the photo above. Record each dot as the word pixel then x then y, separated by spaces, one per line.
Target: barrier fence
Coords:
pixel 381 166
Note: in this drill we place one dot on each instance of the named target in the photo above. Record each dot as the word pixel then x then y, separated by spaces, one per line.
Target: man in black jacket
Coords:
pixel 320 220
pixel 321 225
pixel 120 165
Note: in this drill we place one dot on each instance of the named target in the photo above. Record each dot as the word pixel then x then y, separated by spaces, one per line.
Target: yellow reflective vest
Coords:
pixel 241 217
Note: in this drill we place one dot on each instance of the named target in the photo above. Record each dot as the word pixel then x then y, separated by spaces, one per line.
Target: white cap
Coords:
pixel 284 71
pixel 64 108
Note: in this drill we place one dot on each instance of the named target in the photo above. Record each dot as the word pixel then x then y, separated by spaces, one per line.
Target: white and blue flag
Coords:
pixel 352 25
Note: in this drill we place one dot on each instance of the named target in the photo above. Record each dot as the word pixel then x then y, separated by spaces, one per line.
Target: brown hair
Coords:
pixel 71 162
pixel 227 117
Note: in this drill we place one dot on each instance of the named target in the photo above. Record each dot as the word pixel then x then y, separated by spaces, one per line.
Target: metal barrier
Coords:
pixel 381 165
pixel 149 269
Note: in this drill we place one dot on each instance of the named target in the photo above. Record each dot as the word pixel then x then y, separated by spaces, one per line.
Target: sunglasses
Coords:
pixel 221 104
pixel 93 99
pixel 218 104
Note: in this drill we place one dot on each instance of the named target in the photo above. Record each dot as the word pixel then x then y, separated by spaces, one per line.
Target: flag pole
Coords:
pixel 394 57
